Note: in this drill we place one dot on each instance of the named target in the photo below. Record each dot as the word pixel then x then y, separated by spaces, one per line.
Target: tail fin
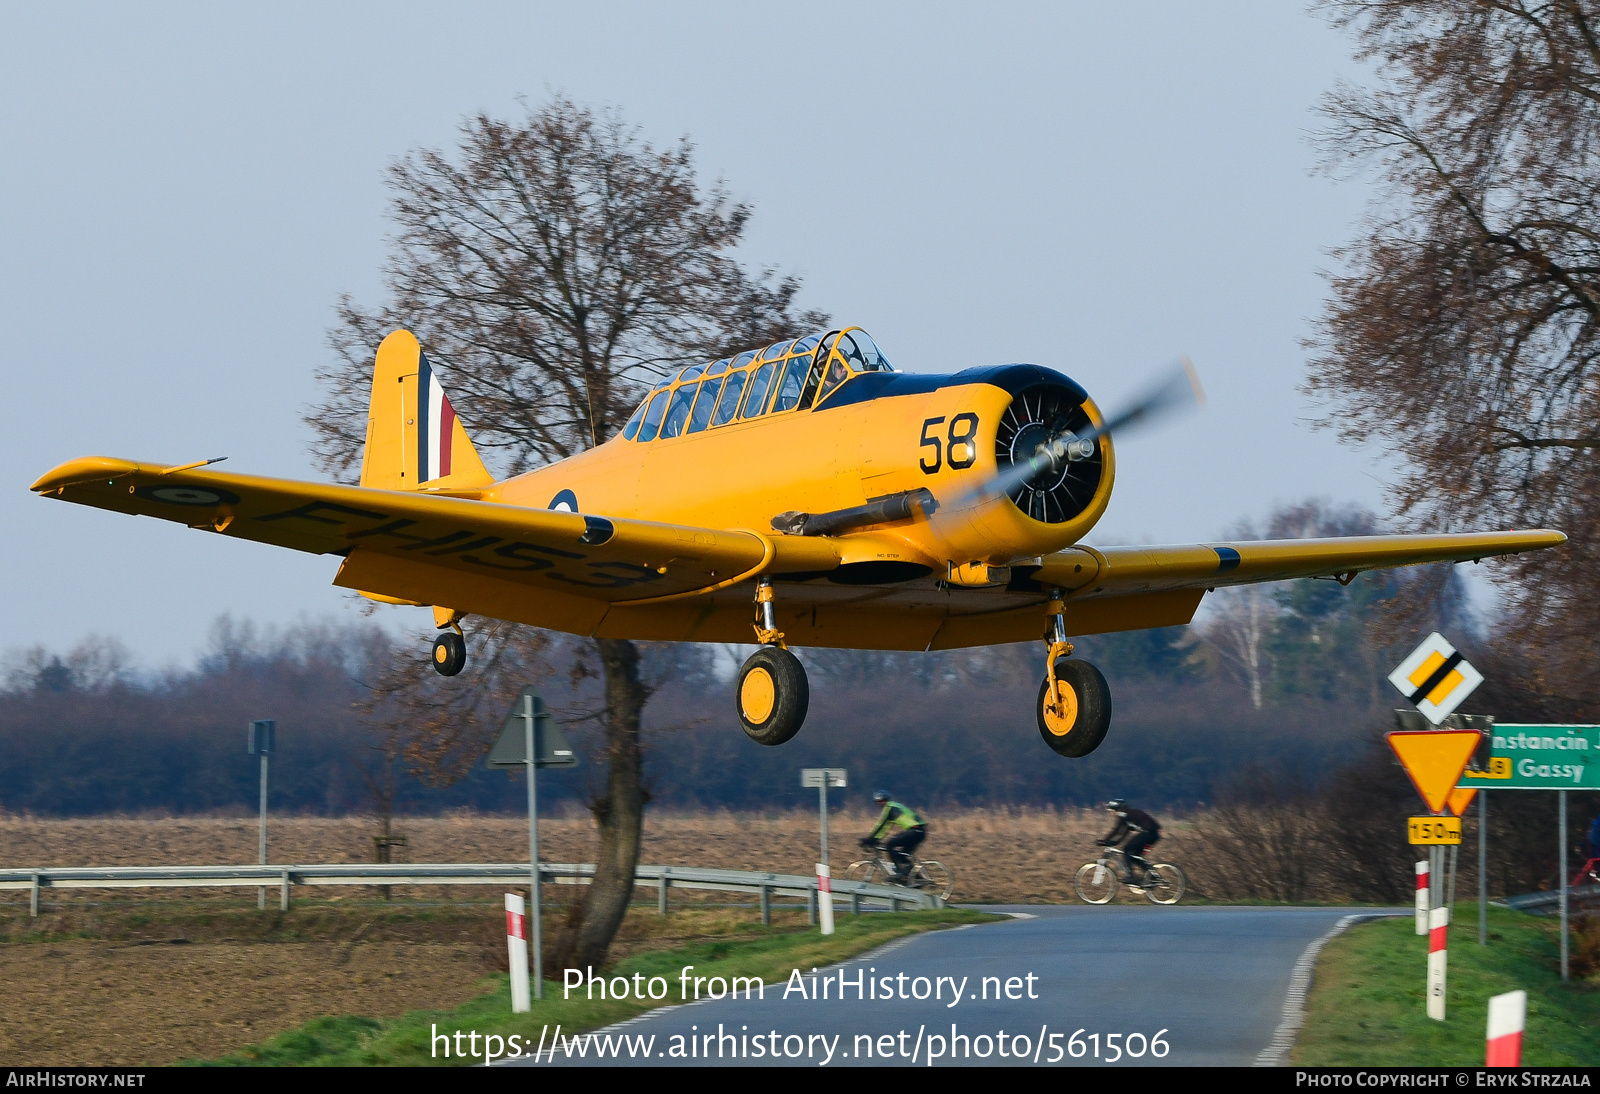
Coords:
pixel 414 439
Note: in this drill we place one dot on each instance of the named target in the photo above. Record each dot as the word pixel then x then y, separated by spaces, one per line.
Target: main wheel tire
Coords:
pixel 1170 883
pixel 772 695
pixel 1095 884
pixel 1078 728
pixel 449 654
pixel 934 877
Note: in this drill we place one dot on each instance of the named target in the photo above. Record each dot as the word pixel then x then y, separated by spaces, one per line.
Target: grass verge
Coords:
pixel 768 954
pixel 1367 1006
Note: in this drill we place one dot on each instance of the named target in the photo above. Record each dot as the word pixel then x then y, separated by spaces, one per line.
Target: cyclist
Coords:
pixel 1143 830
pixel 912 830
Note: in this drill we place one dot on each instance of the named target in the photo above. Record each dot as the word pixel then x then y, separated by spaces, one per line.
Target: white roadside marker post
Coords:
pixel 517 944
pixel 1438 932
pixel 1422 897
pixel 824 873
pixel 822 778
pixel 1507 1014
pixel 825 896
pixel 529 740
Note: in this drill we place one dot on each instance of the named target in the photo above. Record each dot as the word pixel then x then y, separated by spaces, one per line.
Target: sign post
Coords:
pixel 1437 679
pixel 1434 759
pixel 1483 869
pixel 1543 757
pixel 822 778
pixel 530 740
pixel 263 743
pixel 1561 857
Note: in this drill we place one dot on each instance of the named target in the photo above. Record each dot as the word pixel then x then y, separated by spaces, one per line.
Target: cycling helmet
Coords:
pixel 1117 805
pixel 880 795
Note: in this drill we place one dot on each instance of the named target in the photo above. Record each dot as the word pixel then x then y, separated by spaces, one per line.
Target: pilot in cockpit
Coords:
pixel 837 374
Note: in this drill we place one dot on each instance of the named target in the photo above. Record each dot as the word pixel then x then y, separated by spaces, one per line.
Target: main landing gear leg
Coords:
pixel 450 648
pixel 773 692
pixel 1074 701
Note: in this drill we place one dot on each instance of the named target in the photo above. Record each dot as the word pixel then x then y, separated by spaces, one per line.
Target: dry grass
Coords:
pixel 997 855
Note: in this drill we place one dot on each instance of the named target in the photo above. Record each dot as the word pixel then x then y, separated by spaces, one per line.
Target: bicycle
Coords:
pixel 1096 882
pixel 926 875
pixel 1588 874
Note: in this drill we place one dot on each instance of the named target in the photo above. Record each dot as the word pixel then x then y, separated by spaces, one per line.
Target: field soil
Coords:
pixel 155 976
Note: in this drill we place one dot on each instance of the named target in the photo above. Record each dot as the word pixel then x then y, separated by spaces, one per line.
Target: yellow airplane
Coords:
pixel 805 494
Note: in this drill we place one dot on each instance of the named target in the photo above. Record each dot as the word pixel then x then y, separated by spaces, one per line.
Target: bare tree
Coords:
pixel 553 267
pixel 1464 327
pixel 1238 628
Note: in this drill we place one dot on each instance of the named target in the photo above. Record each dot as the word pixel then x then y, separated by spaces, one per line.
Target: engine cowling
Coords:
pixel 1066 488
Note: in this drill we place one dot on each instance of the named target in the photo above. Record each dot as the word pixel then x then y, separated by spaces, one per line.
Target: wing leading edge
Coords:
pixel 404 545
pixel 1130 571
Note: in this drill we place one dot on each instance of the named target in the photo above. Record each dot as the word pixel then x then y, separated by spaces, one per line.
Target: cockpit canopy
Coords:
pixel 787 376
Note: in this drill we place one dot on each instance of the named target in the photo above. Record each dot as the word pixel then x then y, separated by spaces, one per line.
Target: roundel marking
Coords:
pixel 564 502
pixel 188 495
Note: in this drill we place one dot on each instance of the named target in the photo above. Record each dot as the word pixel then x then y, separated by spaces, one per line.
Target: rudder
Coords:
pixel 414 439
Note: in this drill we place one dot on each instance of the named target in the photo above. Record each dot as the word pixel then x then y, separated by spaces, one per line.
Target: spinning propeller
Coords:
pixel 1053 453
pixel 1046 433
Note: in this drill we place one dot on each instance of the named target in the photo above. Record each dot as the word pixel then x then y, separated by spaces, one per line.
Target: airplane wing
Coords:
pixel 564 569
pixel 591 575
pixel 1129 571
pixel 1129 588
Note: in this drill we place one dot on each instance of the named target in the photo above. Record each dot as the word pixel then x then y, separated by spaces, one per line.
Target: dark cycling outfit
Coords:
pixel 1145 831
pixel 912 831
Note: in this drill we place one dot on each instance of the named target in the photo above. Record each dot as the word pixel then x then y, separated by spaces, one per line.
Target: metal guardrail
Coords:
pixel 663 878
pixel 1545 903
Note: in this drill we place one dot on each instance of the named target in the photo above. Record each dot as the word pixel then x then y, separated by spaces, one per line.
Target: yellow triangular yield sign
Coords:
pixel 1460 798
pixel 1435 759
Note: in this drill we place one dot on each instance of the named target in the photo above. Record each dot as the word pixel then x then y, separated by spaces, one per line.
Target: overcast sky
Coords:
pixel 186 190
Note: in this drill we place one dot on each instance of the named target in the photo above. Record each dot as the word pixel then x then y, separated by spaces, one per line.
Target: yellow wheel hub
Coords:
pixel 1061 716
pixel 757 695
pixel 440 653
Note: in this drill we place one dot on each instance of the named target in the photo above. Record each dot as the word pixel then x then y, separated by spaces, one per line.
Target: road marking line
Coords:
pixel 1276 1054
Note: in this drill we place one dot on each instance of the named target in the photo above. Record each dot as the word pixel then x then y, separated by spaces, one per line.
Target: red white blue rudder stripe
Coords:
pixel 436 422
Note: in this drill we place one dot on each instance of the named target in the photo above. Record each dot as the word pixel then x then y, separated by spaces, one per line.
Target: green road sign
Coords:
pixel 1539 758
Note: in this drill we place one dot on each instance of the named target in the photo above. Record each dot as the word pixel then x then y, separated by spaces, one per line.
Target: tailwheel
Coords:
pixel 449 654
pixel 1076 721
pixel 772 695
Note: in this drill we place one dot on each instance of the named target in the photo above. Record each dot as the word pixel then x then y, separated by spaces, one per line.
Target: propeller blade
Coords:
pixel 1176 389
pixel 1180 388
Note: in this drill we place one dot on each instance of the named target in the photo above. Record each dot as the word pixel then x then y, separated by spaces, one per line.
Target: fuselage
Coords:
pixel 876 434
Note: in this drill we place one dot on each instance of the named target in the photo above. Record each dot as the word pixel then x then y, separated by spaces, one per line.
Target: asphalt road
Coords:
pixel 1210 982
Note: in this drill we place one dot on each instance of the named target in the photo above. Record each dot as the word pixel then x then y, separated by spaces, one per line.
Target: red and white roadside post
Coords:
pixel 1438 932
pixel 1422 897
pixel 517 943
pixel 822 778
pixel 1507 1013
pixel 825 897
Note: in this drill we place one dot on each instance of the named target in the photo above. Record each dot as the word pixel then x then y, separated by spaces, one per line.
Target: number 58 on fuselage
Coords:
pixel 805 494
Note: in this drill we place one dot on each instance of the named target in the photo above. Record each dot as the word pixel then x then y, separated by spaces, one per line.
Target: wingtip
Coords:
pixel 83 469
